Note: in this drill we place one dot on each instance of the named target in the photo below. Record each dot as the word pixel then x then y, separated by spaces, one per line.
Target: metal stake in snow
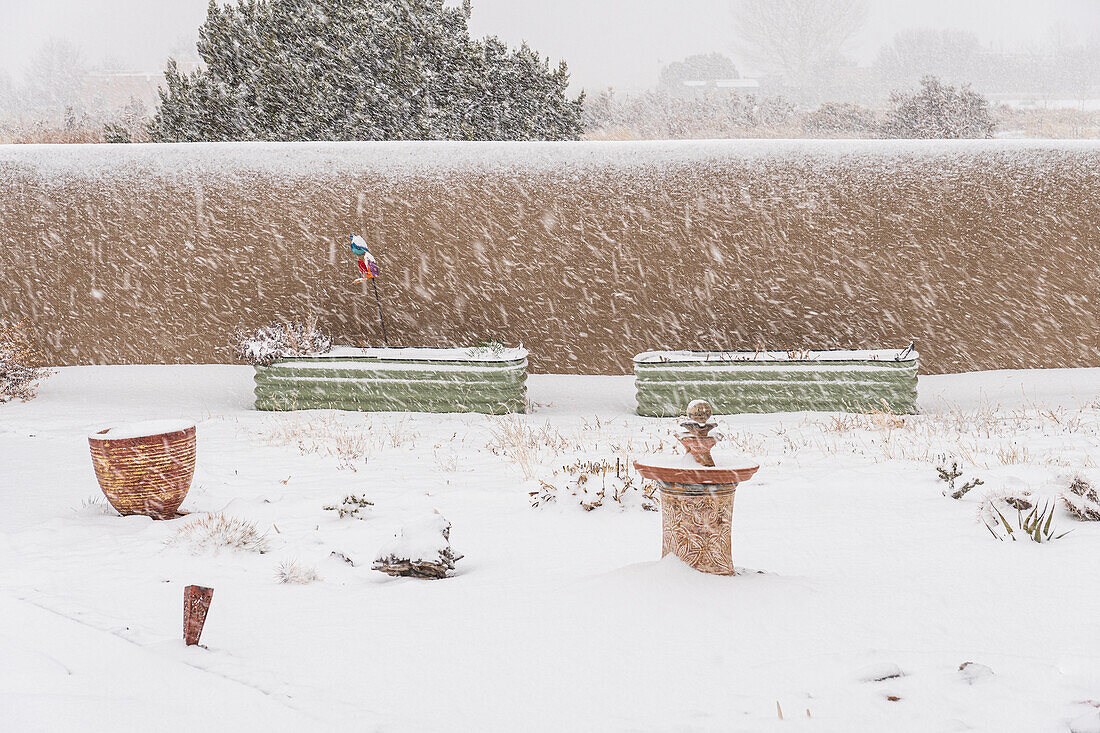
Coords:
pixel 368 270
pixel 385 341
pixel 196 603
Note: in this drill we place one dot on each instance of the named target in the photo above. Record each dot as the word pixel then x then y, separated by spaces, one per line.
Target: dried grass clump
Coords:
pixel 21 364
pixel 595 484
pixel 351 445
pixel 289 571
pixel 215 532
pixel 517 441
pixel 1082 500
pixel 96 506
pixel 269 343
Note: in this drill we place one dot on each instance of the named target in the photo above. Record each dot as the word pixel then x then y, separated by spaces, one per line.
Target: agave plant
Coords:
pixel 1035 525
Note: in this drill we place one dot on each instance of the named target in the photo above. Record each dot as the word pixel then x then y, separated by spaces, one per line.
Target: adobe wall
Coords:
pixel 985 253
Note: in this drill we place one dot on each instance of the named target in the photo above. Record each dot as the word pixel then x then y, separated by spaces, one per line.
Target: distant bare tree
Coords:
pixel 949 54
pixel 803 40
pixel 53 78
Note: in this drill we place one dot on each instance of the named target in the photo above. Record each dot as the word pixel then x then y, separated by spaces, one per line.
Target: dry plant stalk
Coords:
pixel 517 441
pixel 22 365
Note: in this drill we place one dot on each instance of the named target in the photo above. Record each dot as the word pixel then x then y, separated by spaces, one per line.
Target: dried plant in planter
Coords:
pixel 267 344
pixel 419 550
pixel 21 364
pixel 1082 500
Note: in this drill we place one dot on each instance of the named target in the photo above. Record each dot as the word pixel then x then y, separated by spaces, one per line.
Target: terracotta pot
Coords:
pixel 145 474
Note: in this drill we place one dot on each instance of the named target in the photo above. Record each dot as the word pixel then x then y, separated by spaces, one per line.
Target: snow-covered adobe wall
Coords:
pixel 986 252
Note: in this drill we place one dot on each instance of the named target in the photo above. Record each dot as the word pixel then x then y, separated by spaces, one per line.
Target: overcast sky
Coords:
pixel 620 43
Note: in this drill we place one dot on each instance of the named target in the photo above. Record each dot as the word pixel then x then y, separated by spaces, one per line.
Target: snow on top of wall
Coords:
pixel 303 159
pixel 694 357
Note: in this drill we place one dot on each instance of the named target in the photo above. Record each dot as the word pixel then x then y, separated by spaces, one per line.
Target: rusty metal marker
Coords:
pixel 196 603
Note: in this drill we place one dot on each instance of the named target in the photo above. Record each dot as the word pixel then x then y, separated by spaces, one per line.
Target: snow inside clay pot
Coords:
pixel 145 468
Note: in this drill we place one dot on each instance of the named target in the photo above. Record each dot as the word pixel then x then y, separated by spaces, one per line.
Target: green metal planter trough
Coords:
pixel 412 380
pixel 777 381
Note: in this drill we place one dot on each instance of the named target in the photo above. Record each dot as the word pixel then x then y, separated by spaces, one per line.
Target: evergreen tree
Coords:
pixel 360 70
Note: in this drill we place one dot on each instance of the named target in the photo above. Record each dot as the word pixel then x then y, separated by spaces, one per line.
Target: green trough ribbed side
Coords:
pixel 665 388
pixel 394 386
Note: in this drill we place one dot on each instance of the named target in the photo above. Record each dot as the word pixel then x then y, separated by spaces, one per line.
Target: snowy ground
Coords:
pixel 558 618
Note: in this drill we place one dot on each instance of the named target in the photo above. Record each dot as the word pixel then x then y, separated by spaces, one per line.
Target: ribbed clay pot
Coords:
pixel 145 474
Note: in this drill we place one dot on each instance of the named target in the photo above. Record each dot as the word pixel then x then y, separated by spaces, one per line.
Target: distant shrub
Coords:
pixel 114 133
pixel 22 365
pixel 662 116
pixel 839 119
pixel 938 111
pixel 269 343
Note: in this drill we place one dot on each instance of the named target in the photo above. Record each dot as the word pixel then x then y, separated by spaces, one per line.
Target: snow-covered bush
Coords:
pixel 1082 500
pixel 264 345
pixel 938 111
pixel 289 571
pixel 419 550
pixel 21 364
pixel 214 532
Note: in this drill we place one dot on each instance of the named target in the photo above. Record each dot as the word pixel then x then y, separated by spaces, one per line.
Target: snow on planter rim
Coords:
pixel 423 354
pixel 142 429
pixel 881 355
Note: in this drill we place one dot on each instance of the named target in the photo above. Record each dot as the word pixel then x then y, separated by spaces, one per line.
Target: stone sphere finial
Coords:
pixel 699 411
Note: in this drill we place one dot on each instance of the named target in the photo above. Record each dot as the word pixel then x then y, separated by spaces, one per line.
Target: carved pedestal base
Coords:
pixel 698 528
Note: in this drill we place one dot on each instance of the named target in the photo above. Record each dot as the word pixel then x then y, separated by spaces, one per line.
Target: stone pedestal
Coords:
pixel 697 525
